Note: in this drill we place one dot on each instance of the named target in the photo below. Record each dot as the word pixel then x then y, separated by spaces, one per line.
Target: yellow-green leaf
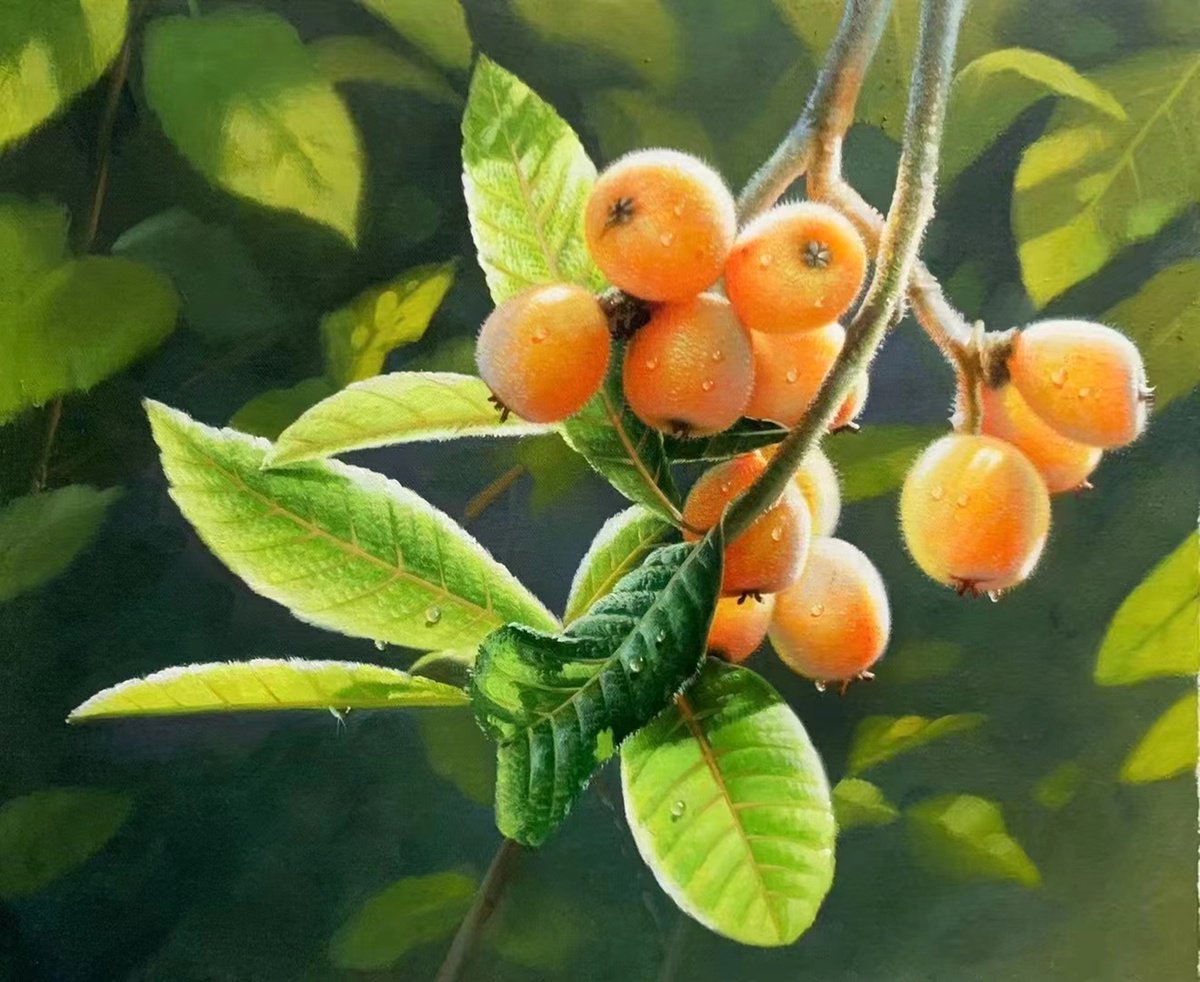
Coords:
pixel 402 407
pixel 620 546
pixel 964 837
pixel 266 684
pixel 1093 185
pixel 240 96
pixel 50 51
pixel 1168 748
pixel 1163 317
pixel 48 833
pixel 994 89
pixel 874 461
pixel 1156 630
pixel 358 338
pixel 880 738
pixel 1057 788
pixel 860 803
pixel 270 413
pixel 347 58
pixel 437 27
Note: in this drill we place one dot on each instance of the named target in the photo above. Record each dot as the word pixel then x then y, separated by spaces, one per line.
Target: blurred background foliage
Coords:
pixel 280 212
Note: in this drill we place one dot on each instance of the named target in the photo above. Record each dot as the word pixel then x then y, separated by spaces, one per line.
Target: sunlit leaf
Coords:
pixel 437 27
pixel 860 803
pixel 41 534
pixel 409 913
pixel 994 89
pixel 1169 747
pixel 559 705
pixel 1153 632
pixel 1057 788
pixel 964 837
pixel 50 51
pixel 621 448
pixel 33 242
pixel 240 96
pixel 1093 185
pixel 270 413
pixel 640 33
pixel 224 294
pixel 526 178
pixel 729 806
pixel 403 407
pixel 628 119
pixel 358 337
pixel 458 752
pixel 266 684
pixel 1163 317
pixel 880 738
pixel 874 461
pixel 619 547
pixel 742 437
pixel 346 58
pixel 341 547
pixel 48 833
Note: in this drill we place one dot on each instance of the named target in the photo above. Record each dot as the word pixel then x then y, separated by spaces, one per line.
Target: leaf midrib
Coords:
pixel 634 458
pixel 1156 629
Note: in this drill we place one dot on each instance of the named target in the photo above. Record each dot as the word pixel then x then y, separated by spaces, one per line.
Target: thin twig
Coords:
pixel 486 899
pixel 53 418
pixel 911 210
pixel 489 495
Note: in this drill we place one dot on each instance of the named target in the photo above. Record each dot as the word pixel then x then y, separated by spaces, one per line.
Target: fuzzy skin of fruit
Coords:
pixel 789 369
pixel 544 351
pixel 853 404
pixel 660 224
pixel 975 513
pixel 794 268
pixel 770 554
pixel 833 623
pixel 1064 464
pixel 690 370
pixel 1086 380
pixel 738 628
pixel 818 482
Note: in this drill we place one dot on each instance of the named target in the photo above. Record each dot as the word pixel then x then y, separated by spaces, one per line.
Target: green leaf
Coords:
pixel 542 927
pixel 526 178
pixel 880 738
pixel 270 413
pixel 345 58
pixel 403 407
pixel 358 338
pixel 1092 186
pixel 628 119
pixel 919 661
pixel 240 96
pixel 224 294
pixel 876 460
pixel 50 51
pixel 558 706
pixel 1057 788
pixel 860 803
pixel 965 837
pixel 67 324
pixel 266 684
pixel 641 33
pixel 1153 632
pixel 994 89
pixel 409 913
pixel 341 547
pixel 41 534
pixel 1169 747
pixel 556 469
pixel 729 806
pixel 437 27
pixel 619 547
pixel 1163 317
pixel 48 833
pixel 742 437
pixel 458 752
pixel 621 448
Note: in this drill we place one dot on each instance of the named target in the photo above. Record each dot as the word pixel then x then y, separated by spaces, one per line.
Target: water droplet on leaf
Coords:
pixel 433 614
pixel 380 645
pixel 678 808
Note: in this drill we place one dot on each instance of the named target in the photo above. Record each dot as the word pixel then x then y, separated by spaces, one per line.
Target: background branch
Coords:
pixel 896 257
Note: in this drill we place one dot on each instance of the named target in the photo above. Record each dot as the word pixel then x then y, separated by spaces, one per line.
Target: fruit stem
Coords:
pixel 899 242
pixel 829 111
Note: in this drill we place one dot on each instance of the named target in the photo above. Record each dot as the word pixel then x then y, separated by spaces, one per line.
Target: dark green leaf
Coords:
pixel 272 412
pixel 875 461
pixel 357 59
pixel 559 705
pixel 437 27
pixel 742 437
pixel 620 546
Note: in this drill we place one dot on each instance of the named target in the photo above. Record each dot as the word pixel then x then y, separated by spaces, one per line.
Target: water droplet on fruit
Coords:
pixel 1059 377
pixel 725 486
pixel 718 356
pixel 791 376
pixel 962 500
pixel 819 686
pixel 636 664
pixel 433 614
pixel 994 596
pixel 816 610
pixel 678 809
pixel 1084 392
pixel 708 385
pixel 667 238
pixel 678 209
pixel 538 336
pixel 651 364
pixel 937 493
pixel 765 260
pixel 776 533
pixel 380 645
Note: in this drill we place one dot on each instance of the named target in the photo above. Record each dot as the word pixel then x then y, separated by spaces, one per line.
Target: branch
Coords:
pixel 911 210
pixel 829 111
pixel 486 899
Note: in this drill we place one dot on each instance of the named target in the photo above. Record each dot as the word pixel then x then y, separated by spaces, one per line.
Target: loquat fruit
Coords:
pixel 818 482
pixel 738 627
pixel 789 369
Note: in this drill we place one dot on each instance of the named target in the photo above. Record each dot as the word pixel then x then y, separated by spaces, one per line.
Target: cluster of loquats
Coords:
pixel 975 508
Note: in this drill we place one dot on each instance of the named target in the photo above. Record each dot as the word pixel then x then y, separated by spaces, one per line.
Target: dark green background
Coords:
pixel 253 838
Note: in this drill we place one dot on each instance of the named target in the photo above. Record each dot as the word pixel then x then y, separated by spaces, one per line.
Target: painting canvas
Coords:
pixel 615 490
